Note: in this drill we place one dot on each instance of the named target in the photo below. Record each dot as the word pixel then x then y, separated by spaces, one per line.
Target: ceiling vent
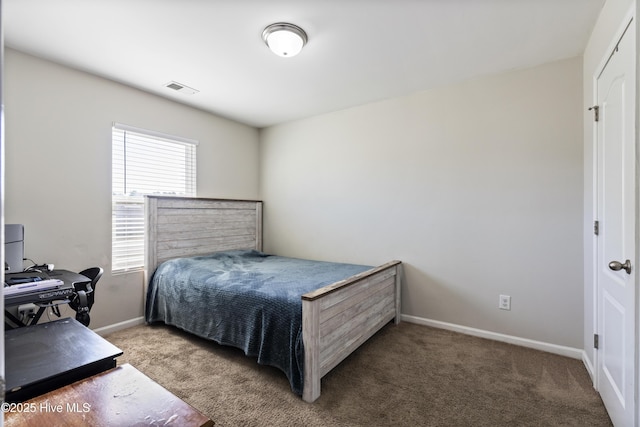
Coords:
pixel 179 87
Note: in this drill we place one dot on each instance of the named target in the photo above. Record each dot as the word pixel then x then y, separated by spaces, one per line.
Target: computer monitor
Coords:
pixel 13 248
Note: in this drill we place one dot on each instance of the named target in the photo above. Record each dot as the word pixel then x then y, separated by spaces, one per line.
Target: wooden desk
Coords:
pixel 122 396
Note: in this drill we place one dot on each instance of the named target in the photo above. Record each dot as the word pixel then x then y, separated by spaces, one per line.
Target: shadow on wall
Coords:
pixel 430 297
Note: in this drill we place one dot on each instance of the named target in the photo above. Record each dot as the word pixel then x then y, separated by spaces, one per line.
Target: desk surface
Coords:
pixel 69 278
pixel 66 276
pixel 122 396
pixel 53 351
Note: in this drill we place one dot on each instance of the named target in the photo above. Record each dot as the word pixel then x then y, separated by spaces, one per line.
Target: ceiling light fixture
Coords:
pixel 284 39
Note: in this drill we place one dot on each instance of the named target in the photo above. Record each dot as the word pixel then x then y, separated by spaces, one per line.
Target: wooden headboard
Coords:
pixel 181 227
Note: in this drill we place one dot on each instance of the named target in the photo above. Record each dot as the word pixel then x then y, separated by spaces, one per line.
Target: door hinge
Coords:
pixel 596 114
pixel 596 341
pixel 596 227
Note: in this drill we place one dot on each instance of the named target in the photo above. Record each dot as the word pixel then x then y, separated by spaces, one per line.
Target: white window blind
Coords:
pixel 144 163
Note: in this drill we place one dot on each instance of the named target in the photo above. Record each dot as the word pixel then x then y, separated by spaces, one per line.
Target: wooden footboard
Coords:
pixel 338 318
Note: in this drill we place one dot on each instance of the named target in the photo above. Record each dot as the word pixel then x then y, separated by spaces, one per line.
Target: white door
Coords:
pixel 616 254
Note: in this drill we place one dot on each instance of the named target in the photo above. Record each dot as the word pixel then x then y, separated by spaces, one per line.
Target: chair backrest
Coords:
pixel 93 273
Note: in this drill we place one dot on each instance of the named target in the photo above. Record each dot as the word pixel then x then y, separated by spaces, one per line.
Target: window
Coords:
pixel 144 162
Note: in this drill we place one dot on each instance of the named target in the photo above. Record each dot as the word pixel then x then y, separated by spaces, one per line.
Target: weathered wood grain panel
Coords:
pixel 182 227
pixel 344 312
pixel 310 339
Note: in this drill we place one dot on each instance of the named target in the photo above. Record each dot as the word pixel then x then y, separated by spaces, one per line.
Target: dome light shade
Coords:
pixel 284 39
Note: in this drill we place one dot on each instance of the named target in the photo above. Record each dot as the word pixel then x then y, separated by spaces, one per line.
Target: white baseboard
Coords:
pixel 574 353
pixel 106 330
pixel 590 368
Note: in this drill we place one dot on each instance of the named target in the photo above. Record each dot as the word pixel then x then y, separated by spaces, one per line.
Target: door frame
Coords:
pixel 631 15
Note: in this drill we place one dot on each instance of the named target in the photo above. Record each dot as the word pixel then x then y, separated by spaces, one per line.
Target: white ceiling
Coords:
pixel 358 51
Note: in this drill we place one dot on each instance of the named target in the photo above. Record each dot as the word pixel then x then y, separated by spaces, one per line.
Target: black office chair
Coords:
pixel 85 295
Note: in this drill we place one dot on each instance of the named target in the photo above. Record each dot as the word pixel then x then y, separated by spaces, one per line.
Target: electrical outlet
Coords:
pixel 505 302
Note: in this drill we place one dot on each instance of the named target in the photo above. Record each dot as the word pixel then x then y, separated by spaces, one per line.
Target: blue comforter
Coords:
pixel 246 299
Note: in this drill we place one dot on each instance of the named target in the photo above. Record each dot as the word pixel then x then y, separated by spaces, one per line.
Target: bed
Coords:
pixel 329 318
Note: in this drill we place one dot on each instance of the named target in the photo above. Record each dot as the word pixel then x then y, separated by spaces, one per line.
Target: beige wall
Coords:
pixel 600 44
pixel 58 166
pixel 476 187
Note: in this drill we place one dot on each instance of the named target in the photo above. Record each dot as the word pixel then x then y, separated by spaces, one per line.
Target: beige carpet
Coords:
pixel 406 375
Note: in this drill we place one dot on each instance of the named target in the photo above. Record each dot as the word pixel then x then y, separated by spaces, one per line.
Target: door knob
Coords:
pixel 617 266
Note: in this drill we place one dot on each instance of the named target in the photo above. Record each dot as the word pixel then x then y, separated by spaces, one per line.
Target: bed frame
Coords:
pixel 336 319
